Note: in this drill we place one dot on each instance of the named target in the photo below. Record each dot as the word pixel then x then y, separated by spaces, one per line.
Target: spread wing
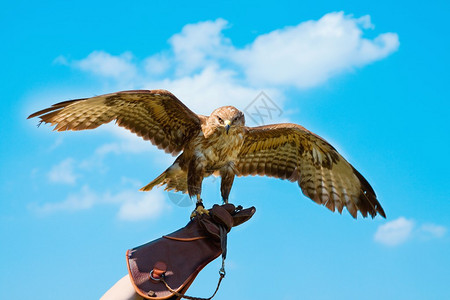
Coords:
pixel 155 115
pixel 289 151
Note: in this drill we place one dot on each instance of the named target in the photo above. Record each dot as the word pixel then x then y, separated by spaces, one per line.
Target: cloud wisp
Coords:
pixel 395 232
pixel 401 230
pixel 63 172
pixel 133 205
pixel 429 230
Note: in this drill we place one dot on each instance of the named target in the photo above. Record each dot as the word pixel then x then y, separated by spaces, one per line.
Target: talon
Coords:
pixel 199 210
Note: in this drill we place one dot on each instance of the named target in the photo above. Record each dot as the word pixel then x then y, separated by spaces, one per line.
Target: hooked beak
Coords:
pixel 227 125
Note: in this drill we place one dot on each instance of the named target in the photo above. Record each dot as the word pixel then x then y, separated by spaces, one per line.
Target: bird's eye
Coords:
pixel 220 119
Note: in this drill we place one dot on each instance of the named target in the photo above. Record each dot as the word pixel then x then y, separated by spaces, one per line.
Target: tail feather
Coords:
pixel 157 181
pixel 173 178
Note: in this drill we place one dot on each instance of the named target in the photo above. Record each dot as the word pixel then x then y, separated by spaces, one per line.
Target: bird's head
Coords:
pixel 226 118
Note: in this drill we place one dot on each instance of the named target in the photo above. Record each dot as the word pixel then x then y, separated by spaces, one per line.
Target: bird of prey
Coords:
pixel 221 144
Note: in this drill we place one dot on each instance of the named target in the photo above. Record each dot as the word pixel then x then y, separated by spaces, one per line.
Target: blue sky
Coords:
pixel 371 78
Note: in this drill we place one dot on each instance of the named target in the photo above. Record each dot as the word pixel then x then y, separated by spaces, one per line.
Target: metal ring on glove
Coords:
pixel 153 278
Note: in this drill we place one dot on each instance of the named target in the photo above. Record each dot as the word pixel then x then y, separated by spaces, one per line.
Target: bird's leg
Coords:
pixel 194 181
pixel 227 175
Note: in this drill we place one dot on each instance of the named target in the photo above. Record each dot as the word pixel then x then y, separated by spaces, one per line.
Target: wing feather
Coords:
pixel 155 115
pixel 289 151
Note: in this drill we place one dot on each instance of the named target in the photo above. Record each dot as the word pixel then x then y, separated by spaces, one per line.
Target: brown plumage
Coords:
pixel 221 144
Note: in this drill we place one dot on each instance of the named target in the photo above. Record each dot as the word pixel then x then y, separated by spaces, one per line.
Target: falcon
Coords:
pixel 220 144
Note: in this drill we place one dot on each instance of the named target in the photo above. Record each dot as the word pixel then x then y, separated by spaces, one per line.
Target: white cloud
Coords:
pixel 301 56
pixel 127 142
pixel 81 201
pixel 104 64
pixel 211 88
pixel 310 53
pixel 157 64
pixel 63 172
pixel 149 206
pixel 122 142
pixel 399 231
pixel 366 22
pixel 395 232
pixel 205 70
pixel 132 204
pixel 198 45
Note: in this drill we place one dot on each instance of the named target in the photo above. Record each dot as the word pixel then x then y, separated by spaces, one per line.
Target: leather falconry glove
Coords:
pixel 166 267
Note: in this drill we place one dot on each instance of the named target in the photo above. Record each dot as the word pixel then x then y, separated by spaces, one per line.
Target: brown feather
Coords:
pixel 289 151
pixel 155 115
